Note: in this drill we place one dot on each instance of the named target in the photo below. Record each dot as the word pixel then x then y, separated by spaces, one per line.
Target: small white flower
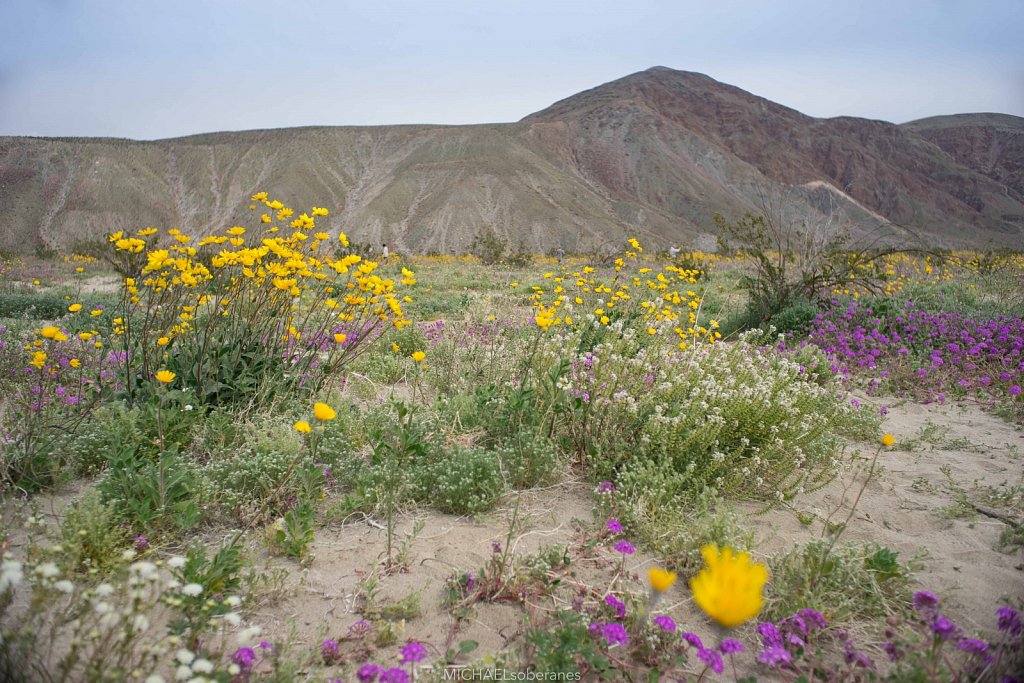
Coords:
pixel 47 570
pixel 234 669
pixel 140 623
pixel 233 618
pixel 104 589
pixel 182 673
pixel 232 601
pixel 102 607
pixel 202 666
pixel 64 586
pixel 248 636
pixel 155 679
pixel 128 554
pixel 176 562
pixel 192 589
pixel 188 407
pixel 184 656
pixel 143 568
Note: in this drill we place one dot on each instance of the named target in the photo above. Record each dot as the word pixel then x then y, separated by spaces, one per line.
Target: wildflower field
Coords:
pixel 264 455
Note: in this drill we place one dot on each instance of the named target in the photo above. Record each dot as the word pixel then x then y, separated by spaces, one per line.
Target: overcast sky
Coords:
pixel 142 69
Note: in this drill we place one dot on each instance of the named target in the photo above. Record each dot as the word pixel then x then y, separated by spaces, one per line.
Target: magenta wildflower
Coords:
pixel 775 656
pixel 368 673
pixel 1015 390
pixel 712 659
pixel 614 526
pixel 625 547
pixel 728 646
pixel 141 543
pixel 973 646
pixel 244 657
pixel 665 623
pixel 605 488
pixel 1009 621
pixel 616 604
pixel 943 627
pixel 413 652
pixel 693 639
pixel 615 634
pixel 394 675
pixel 925 600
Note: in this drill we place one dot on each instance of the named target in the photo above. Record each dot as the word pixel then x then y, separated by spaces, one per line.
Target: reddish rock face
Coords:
pixel 653 155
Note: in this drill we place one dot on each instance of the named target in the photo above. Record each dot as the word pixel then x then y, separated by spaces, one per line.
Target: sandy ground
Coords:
pixel 902 508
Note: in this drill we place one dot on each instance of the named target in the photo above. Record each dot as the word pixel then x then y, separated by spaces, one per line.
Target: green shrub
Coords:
pixel 91 536
pixel 39 306
pixel 467 482
pixel 796 316
pixel 529 460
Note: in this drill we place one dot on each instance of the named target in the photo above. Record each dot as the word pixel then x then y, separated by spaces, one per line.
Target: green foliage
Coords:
pixel 219 577
pixel 566 645
pixel 488 247
pixel 529 460
pixel 41 306
pixel 151 494
pixel 847 582
pixel 468 481
pixel 91 536
pixel 293 534
pixel 796 316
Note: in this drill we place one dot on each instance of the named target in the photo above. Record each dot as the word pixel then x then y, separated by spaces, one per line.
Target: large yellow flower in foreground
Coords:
pixel 323 412
pixel 165 376
pixel 729 587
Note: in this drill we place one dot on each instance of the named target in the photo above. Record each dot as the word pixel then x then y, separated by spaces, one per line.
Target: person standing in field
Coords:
pixel 384 251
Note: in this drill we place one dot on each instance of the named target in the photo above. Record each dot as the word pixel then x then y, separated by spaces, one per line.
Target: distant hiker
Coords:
pixel 559 254
pixel 673 251
pixel 384 251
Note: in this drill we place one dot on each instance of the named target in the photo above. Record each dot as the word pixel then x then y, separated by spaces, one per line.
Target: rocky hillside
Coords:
pixel 652 155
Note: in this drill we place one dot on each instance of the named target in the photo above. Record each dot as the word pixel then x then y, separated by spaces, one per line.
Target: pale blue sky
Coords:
pixel 141 69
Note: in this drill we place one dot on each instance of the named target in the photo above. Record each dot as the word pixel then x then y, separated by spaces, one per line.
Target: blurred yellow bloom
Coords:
pixel 79 270
pixel 660 579
pixel 85 336
pixel 323 412
pixel 302 426
pixel 888 440
pixel 75 308
pixel 729 588
pixel 165 376
pixel 418 356
pixel 340 338
pixel 74 362
pixel 163 341
pixel 396 348
pixel 38 359
pixel 49 332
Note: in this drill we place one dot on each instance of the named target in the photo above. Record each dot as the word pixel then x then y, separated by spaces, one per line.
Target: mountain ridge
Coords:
pixel 653 154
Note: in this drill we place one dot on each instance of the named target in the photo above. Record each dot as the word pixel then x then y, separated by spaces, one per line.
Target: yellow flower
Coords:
pixel 74 362
pixel 49 332
pixel 96 313
pixel 661 579
pixel 323 412
pixel 302 426
pixel 38 359
pixel 888 440
pixel 729 587
pixel 165 376
pixel 163 341
pixel 396 348
pixel 75 308
pixel 418 356
pixel 340 338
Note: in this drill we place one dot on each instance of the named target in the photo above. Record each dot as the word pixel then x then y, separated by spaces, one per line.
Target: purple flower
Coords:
pixel 329 650
pixel 368 673
pixel 1009 621
pixel 616 604
pixel 665 623
pixel 625 547
pixel 244 657
pixel 943 627
pixel 614 526
pixel 266 646
pixel 360 628
pixel 973 646
pixel 394 675
pixel 925 600
pixel 769 632
pixel 813 617
pixel 693 639
pixel 605 488
pixel 470 582
pixel 1015 390
pixel 775 656
pixel 712 659
pixel 727 647
pixel 141 543
pixel 413 652
pixel 614 633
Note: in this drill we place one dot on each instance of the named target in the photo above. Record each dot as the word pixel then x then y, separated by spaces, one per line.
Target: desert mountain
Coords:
pixel 652 155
